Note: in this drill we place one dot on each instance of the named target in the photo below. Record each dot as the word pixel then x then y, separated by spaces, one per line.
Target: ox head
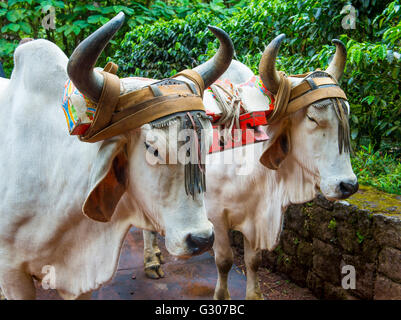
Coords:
pixel 316 136
pixel 122 167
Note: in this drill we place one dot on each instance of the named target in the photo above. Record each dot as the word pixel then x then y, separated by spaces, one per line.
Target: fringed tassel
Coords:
pixel 164 123
pixel 195 179
pixel 344 143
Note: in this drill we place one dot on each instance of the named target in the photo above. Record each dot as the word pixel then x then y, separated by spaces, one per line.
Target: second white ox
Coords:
pixel 304 148
pixel 45 177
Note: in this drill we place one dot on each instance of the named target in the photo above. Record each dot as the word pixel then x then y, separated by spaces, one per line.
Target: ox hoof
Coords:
pixel 2 297
pixel 254 296
pixel 221 295
pixel 154 272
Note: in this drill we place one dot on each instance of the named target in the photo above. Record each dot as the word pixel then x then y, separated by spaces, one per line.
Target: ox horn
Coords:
pixel 337 65
pixel 267 65
pixel 83 59
pixel 212 69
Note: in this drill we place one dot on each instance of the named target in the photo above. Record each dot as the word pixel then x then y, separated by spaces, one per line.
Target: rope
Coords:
pixel 281 99
pixel 230 106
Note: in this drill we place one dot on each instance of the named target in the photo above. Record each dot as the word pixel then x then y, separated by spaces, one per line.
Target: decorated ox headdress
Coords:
pixel 117 113
pixel 315 87
pixel 113 114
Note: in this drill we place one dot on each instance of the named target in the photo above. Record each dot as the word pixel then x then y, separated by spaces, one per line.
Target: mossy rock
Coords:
pixel 376 201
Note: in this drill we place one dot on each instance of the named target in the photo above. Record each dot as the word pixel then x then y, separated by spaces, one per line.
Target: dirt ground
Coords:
pixel 193 278
pixel 275 286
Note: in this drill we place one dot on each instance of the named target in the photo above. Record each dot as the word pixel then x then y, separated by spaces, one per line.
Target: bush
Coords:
pixel 377 169
pixel 161 49
pixel 75 20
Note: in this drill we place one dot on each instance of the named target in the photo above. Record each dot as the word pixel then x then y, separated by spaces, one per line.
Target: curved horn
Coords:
pixel 212 69
pixel 337 65
pixel 267 65
pixel 83 59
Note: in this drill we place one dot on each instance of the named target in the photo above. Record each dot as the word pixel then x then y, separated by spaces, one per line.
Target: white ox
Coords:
pixel 3 84
pixel 47 176
pixel 305 148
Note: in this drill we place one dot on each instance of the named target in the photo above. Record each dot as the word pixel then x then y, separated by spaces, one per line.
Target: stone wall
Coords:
pixel 320 237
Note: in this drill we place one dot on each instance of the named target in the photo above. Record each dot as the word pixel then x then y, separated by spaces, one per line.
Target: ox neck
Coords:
pixel 298 183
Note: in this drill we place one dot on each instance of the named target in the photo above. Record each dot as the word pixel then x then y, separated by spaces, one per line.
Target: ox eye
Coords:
pixel 152 150
pixel 312 119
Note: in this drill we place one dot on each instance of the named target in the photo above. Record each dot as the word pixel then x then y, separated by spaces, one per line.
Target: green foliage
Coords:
pixel 165 47
pixel 360 237
pixel 75 20
pixel 332 224
pixel 371 80
pixel 161 49
pixel 377 169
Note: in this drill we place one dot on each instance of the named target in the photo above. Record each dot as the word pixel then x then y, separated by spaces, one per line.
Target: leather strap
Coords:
pixel 144 94
pixel 118 114
pixel 303 87
pixel 313 96
pixel 282 97
pixel 106 105
pixel 148 114
pixel 111 67
pixel 134 108
pixel 290 100
pixel 194 77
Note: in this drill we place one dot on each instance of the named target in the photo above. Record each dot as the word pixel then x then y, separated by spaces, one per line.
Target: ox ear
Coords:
pixel 108 179
pixel 278 148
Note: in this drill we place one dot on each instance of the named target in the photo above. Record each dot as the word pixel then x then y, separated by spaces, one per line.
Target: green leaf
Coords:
pixel 25 27
pixel 357 56
pixel 81 24
pixel 381 51
pixel 12 27
pixel 76 29
pixel 389 131
pixel 97 19
pixel 12 15
pixel 368 99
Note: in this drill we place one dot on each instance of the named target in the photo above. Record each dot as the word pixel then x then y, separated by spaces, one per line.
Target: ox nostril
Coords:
pixel 348 189
pixel 199 245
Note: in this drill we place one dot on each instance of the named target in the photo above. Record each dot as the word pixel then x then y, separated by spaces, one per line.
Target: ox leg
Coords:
pixel 17 285
pixel 85 296
pixel 2 296
pixel 68 296
pixel 224 258
pixel 253 259
pixel 152 257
